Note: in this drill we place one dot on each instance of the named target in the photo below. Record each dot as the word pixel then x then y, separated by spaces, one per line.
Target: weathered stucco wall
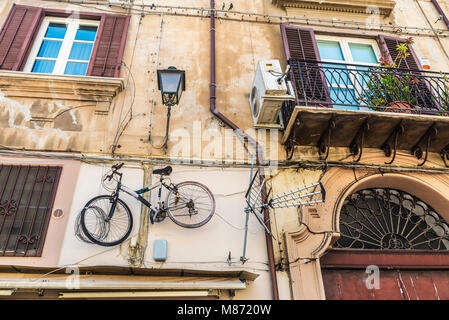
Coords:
pixel 205 248
pixel 157 40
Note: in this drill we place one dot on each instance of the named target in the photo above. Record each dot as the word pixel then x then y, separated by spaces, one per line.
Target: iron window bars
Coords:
pixel 383 218
pixel 26 199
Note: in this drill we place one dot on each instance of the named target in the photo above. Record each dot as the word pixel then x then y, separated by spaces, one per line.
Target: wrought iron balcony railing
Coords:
pixel 369 88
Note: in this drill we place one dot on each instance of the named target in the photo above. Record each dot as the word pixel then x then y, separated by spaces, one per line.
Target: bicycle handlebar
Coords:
pixel 115 168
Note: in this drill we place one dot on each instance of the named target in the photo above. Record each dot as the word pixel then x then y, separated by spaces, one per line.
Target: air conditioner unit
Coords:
pixel 267 95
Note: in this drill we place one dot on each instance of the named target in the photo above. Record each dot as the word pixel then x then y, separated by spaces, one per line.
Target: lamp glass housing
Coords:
pixel 171 84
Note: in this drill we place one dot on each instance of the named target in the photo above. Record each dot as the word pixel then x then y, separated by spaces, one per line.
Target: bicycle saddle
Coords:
pixel 163 172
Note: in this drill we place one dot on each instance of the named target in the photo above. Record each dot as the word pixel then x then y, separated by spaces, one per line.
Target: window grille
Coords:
pixel 26 200
pixel 390 219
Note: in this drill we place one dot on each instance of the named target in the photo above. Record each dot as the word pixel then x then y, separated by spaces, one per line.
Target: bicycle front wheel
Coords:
pixel 102 230
pixel 190 205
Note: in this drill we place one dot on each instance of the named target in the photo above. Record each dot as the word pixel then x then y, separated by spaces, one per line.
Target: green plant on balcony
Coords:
pixel 389 88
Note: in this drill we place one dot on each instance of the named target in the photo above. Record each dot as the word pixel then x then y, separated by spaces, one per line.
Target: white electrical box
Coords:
pixel 268 94
pixel 160 250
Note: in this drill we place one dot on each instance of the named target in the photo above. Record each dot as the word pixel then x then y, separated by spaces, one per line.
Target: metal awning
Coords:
pixel 356 129
pixel 123 281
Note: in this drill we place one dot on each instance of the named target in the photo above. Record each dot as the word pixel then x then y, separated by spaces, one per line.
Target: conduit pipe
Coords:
pixel 441 12
pixel 249 141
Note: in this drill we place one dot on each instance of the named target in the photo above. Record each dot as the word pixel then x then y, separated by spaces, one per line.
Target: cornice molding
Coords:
pixel 55 87
pixel 385 7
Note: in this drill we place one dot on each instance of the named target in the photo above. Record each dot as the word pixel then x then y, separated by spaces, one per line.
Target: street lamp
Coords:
pixel 171 83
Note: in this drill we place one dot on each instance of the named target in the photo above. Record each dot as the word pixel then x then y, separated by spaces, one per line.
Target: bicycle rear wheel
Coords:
pixel 192 205
pixel 98 228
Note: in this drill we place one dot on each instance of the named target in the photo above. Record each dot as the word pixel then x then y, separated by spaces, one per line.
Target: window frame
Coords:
pixel 64 52
pixel 344 42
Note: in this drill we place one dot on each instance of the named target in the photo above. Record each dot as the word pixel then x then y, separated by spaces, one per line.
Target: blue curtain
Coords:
pixel 86 33
pixel 56 31
pixel 44 66
pixel 81 51
pixel 76 69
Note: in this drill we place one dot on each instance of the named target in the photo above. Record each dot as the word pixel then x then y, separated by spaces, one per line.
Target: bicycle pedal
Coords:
pixel 161 216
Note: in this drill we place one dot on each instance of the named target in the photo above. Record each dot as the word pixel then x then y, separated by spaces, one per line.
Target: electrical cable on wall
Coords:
pixel 258 18
pixel 121 128
pixel 122 125
pixel 311 165
pixel 433 29
pixel 153 100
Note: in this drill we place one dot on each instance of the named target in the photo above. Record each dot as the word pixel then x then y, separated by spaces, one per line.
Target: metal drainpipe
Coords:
pixel 441 12
pixel 225 120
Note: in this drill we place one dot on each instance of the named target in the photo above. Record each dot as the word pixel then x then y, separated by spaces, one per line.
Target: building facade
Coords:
pixel 361 120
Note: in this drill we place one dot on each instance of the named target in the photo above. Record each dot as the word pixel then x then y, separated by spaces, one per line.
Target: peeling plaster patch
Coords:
pixel 14 107
pixel 36 139
pixel 404 4
pixel 72 114
pixel 400 7
pixel 62 134
pixel 4 116
pixel 24 113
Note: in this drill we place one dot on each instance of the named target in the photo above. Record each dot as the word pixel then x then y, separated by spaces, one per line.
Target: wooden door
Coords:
pixel 348 275
pixel 394 236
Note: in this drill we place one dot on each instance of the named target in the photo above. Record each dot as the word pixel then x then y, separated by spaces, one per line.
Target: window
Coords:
pixel 390 219
pixel 44 40
pixel 26 201
pixel 63 46
pixel 341 54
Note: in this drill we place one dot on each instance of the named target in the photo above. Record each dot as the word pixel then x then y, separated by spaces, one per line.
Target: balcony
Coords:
pixel 358 106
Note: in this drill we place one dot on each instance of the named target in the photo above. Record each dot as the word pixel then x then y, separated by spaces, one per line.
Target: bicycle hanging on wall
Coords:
pixel 106 220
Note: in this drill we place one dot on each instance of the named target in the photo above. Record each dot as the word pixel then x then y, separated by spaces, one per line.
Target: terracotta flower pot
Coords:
pixel 400 106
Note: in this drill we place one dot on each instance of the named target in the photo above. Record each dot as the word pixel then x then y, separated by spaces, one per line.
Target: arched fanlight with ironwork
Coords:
pixel 390 219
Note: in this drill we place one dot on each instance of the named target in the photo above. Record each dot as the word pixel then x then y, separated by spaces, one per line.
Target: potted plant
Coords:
pixel 389 88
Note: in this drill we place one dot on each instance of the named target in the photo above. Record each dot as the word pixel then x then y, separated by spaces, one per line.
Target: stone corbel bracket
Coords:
pixel 96 90
pixel 382 7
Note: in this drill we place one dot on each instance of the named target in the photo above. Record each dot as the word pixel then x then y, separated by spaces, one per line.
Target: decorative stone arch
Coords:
pixel 320 224
pixel 421 187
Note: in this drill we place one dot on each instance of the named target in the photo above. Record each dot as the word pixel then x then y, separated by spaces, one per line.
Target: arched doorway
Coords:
pixel 392 245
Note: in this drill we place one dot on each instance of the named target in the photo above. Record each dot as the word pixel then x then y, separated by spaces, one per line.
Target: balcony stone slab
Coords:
pixel 308 125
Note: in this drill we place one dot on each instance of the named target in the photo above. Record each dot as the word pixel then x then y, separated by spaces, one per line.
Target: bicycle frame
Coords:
pixel 137 195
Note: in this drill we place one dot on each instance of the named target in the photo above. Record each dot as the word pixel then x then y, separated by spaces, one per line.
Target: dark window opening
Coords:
pixel 26 200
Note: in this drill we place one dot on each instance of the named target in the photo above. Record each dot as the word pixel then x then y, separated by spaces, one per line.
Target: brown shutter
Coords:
pixel 307 74
pixel 388 45
pixel 424 94
pixel 109 47
pixel 16 35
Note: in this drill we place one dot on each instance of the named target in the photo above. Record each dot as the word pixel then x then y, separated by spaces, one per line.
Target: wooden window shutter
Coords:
pixel 388 45
pixel 16 35
pixel 110 45
pixel 308 78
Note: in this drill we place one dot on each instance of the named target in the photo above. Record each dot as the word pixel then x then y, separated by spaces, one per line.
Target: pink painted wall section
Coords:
pixel 63 201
